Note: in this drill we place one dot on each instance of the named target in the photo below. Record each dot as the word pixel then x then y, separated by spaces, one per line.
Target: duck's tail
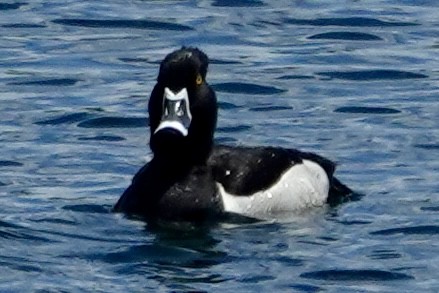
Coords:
pixel 338 192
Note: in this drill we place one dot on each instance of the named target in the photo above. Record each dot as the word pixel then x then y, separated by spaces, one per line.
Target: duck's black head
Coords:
pixel 182 108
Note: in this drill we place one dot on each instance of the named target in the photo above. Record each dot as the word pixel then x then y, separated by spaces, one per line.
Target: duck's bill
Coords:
pixel 176 114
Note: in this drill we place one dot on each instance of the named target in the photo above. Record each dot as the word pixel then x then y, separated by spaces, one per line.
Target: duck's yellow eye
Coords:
pixel 199 79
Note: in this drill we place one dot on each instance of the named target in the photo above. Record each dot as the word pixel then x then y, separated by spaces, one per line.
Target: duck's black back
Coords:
pixel 245 170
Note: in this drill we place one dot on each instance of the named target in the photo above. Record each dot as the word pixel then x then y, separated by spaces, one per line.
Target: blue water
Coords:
pixel 356 81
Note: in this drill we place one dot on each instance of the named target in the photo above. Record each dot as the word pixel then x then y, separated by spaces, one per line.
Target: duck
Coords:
pixel 191 178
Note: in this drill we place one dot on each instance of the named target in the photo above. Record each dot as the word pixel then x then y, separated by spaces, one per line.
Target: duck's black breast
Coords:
pixel 193 197
pixel 158 192
pixel 246 170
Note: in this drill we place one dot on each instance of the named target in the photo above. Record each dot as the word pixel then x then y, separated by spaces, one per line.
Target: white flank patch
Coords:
pixel 301 187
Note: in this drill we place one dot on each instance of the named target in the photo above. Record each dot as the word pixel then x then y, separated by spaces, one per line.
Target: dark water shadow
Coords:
pixel 356 275
pixel 223 62
pixel 352 222
pixel 246 88
pixel 23 25
pixel 107 138
pixel 346 36
pixel 227 106
pixel 366 110
pixel 384 254
pixel 48 82
pixel 270 108
pixel 88 208
pixel 16 232
pixel 134 60
pixel 178 246
pixel 430 209
pixel 132 257
pixel 427 146
pixel 412 230
pixel 225 140
pixel 123 23
pixel 368 75
pixel 7 163
pixel 166 257
pixel 79 235
pixel 12 6
pixel 233 129
pixel 114 122
pixel 306 288
pixel 68 118
pixel 238 3
pixel 348 21
pixel 22 264
pixel 292 77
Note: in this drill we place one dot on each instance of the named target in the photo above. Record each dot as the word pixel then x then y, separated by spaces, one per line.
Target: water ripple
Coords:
pixel 12 231
pixel 254 279
pixel 134 60
pixel 49 82
pixel 23 25
pixel 113 138
pixel 292 76
pixel 223 62
pixel 87 208
pixel 306 288
pixel 270 108
pixel 430 209
pixel 384 254
pixel 232 129
pixel 123 23
pixel 348 36
pixel 365 75
pixel 355 222
pixel 366 110
pixel 66 65
pixel 20 264
pixel 427 146
pixel 65 119
pixel 413 230
pixel 6 163
pixel 348 21
pixel 114 122
pixel 227 106
pixel 355 275
pixel 164 255
pixel 247 88
pixel 11 6
pixel 237 3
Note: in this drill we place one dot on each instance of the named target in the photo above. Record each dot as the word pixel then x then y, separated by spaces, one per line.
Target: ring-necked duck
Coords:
pixel 191 179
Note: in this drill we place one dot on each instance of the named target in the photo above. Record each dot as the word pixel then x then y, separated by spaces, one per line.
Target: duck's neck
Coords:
pixel 179 164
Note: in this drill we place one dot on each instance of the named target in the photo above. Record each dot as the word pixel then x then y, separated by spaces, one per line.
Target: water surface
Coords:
pixel 356 82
